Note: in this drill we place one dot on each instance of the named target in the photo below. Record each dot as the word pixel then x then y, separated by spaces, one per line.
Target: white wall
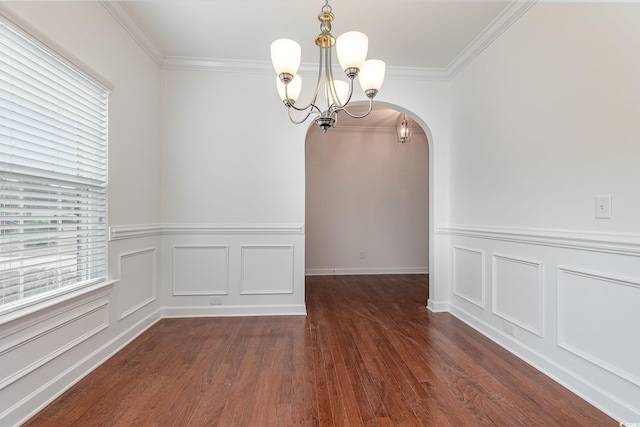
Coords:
pixel 232 197
pixel 545 119
pixel 367 202
pixel 229 152
pixel 428 102
pixel 234 179
pixel 46 349
pixel 225 220
pixel 548 117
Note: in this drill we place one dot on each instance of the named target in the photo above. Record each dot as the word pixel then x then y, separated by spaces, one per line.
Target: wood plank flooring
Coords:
pixel 368 353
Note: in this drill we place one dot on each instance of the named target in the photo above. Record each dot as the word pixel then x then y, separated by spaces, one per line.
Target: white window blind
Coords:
pixel 53 172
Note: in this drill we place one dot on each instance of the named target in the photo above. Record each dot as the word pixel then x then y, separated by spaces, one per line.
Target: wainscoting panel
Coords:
pixel 583 329
pixel 566 302
pixel 469 275
pixel 137 272
pixel 27 349
pixel 201 270
pixel 46 346
pixel 267 270
pixel 232 270
pixel 517 292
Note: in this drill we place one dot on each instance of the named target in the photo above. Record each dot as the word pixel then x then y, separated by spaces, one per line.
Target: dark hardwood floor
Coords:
pixel 368 353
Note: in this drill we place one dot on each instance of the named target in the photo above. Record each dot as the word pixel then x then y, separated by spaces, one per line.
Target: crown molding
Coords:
pixel 215 64
pixel 514 10
pixel 125 18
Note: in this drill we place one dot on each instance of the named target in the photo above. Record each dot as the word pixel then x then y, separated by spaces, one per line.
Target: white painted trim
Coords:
pixel 131 25
pixel 363 271
pixel 507 17
pixel 199 293
pixel 154 280
pixel 216 65
pixel 438 306
pixel 265 67
pixel 57 297
pixel 122 232
pixel 562 271
pixel 75 317
pixel 69 377
pixel 596 396
pixel 234 310
pixel 244 249
pixel 619 244
pixel 234 229
pixel 482 303
pixel 537 329
pixel 418 74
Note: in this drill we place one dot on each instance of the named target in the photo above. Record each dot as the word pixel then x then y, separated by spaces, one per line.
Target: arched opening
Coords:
pixel 369 198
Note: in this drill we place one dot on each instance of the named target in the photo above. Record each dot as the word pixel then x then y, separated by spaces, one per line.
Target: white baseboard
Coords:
pixel 363 271
pixel 235 311
pixel 437 306
pixel 47 393
pixel 601 399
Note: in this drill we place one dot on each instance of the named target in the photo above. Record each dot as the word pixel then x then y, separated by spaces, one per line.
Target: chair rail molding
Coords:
pixel 614 243
pixel 122 232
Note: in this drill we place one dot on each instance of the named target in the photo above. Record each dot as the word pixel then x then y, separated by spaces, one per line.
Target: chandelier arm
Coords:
pixel 328 88
pixel 297 122
pixel 328 79
pixel 357 116
pixel 332 87
pixel 312 104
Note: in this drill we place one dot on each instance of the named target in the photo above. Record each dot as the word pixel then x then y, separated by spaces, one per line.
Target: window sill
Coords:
pixel 50 299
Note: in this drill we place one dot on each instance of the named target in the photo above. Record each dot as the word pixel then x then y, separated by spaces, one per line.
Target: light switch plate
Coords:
pixel 603 207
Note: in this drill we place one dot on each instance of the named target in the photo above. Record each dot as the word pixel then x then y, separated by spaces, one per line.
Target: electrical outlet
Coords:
pixel 362 254
pixel 215 300
pixel 509 328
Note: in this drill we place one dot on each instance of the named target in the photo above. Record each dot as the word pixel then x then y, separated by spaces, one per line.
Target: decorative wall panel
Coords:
pixel 201 270
pixel 27 348
pixel 137 271
pixel 267 270
pixel 591 307
pixel 468 275
pixel 517 292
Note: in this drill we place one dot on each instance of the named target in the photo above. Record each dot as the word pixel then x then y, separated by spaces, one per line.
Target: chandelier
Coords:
pixel 351 49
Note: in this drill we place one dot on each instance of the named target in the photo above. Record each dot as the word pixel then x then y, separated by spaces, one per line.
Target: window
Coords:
pixel 53 172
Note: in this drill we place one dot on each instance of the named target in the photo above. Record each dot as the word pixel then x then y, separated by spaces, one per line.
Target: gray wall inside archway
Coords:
pixel 367 198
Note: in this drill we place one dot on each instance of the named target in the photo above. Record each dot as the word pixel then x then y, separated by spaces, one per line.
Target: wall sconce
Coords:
pixel 404 129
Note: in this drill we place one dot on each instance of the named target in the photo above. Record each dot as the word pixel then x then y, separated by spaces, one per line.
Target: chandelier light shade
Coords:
pixel 293 91
pixel 342 91
pixel 285 55
pixel 404 129
pixel 351 49
pixel 371 76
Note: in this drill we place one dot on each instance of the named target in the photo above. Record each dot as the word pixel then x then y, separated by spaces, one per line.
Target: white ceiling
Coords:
pixel 423 38
pixel 422 34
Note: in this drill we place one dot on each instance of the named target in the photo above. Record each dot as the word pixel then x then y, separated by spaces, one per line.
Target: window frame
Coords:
pixel 93 280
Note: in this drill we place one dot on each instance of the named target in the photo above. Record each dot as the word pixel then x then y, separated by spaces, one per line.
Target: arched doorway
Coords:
pixel 368 197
